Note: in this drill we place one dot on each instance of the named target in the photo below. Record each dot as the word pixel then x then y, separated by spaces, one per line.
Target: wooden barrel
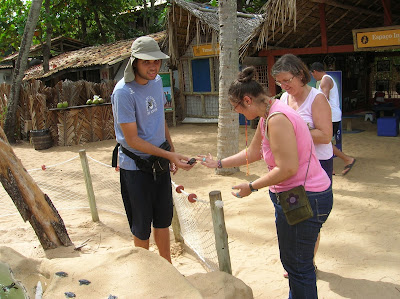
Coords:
pixel 41 139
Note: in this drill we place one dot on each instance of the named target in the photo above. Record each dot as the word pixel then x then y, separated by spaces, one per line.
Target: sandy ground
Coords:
pixel 359 254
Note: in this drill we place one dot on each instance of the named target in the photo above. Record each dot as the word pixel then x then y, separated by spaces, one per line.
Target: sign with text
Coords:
pixel 376 38
pixel 206 50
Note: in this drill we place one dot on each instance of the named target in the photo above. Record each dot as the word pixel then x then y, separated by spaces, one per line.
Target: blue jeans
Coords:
pixel 297 242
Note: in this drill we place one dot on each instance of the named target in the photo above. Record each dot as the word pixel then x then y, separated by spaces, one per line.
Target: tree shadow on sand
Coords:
pixel 360 288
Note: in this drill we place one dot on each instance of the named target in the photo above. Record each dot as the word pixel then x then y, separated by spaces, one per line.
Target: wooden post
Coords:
pixel 176 227
pixel 89 186
pixel 221 236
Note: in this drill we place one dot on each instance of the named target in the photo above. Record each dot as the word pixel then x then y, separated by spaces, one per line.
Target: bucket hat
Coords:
pixel 146 48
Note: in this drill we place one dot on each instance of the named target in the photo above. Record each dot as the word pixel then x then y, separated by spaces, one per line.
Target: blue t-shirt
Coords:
pixel 143 104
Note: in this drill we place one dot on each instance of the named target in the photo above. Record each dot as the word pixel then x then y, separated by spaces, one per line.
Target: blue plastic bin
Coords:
pixel 388 126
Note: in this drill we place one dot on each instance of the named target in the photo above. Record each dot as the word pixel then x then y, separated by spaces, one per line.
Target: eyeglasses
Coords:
pixel 284 82
pixel 237 105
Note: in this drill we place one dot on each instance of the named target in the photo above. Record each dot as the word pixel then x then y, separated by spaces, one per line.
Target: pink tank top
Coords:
pixel 317 179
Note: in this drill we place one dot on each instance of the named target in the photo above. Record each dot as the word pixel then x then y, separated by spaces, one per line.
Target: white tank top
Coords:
pixel 323 151
pixel 334 101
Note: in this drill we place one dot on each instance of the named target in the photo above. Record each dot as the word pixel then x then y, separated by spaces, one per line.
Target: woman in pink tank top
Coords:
pixel 286 145
pixel 311 104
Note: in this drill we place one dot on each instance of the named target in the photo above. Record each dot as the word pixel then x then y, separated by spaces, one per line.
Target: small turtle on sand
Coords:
pixel 84 281
pixel 112 297
pixel 62 274
pixel 9 287
pixel 69 295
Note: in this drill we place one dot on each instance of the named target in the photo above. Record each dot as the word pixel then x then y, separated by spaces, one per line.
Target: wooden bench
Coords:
pixel 349 119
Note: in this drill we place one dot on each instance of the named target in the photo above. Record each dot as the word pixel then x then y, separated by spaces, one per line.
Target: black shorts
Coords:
pixel 327 165
pixel 146 201
pixel 335 127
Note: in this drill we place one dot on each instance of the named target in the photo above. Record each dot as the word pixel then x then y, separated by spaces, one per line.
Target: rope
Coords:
pixel 104 164
pixel 54 165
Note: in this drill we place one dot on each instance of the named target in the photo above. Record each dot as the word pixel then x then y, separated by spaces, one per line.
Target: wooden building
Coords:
pixel 326 31
pixel 74 77
pixel 193 33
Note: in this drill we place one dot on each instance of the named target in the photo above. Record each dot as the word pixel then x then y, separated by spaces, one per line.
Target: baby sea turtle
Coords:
pixel 69 295
pixel 112 297
pixel 84 281
pixel 9 287
pixel 62 274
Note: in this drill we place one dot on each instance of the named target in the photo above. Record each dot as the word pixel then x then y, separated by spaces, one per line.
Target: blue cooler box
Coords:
pixel 388 126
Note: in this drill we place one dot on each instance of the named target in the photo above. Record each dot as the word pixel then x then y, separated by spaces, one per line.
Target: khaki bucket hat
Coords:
pixel 145 48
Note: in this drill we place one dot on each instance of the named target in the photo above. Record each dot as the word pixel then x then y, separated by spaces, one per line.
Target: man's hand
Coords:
pixel 179 161
pixel 173 168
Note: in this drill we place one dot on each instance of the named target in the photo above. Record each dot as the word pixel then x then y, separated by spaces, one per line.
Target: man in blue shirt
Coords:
pixel 139 121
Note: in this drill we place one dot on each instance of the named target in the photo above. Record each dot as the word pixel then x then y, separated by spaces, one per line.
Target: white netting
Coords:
pixel 197 227
pixel 64 184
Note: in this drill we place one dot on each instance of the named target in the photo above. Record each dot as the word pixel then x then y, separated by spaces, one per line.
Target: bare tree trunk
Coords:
pixel 47 44
pixel 145 18
pixel 33 205
pixel 83 33
pixel 228 120
pixel 98 22
pixel 239 5
pixel 19 70
pixel 152 8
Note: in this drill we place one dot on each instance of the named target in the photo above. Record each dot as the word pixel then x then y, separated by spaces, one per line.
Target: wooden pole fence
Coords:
pixel 89 185
pixel 221 236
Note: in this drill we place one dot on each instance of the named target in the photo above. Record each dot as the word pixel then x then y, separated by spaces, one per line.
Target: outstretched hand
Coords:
pixel 207 160
pixel 179 161
pixel 244 190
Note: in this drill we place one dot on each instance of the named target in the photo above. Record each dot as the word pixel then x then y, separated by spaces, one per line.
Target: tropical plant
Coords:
pixel 13 15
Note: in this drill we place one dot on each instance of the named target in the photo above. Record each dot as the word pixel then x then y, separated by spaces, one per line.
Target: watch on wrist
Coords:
pixel 251 187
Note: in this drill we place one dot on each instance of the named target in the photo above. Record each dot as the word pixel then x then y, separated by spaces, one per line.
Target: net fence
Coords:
pixel 64 183
pixel 196 226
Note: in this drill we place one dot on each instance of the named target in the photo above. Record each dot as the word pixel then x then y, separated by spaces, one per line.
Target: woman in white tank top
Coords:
pixel 292 75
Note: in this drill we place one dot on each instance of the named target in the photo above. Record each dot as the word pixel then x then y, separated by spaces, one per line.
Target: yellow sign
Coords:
pixel 206 50
pixel 388 37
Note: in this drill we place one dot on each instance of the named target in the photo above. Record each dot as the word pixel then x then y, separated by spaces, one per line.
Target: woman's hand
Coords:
pixel 244 190
pixel 207 161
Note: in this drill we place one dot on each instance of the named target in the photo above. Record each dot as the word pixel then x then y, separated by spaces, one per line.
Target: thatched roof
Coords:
pixel 188 20
pixel 6 66
pixel 304 32
pixel 88 58
pixel 59 44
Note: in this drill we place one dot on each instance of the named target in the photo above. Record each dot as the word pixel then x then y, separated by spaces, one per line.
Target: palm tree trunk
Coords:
pixel 33 205
pixel 19 70
pixel 228 120
pixel 47 44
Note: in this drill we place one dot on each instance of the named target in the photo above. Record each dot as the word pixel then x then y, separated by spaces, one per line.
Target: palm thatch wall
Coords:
pixel 82 125
pixel 79 123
